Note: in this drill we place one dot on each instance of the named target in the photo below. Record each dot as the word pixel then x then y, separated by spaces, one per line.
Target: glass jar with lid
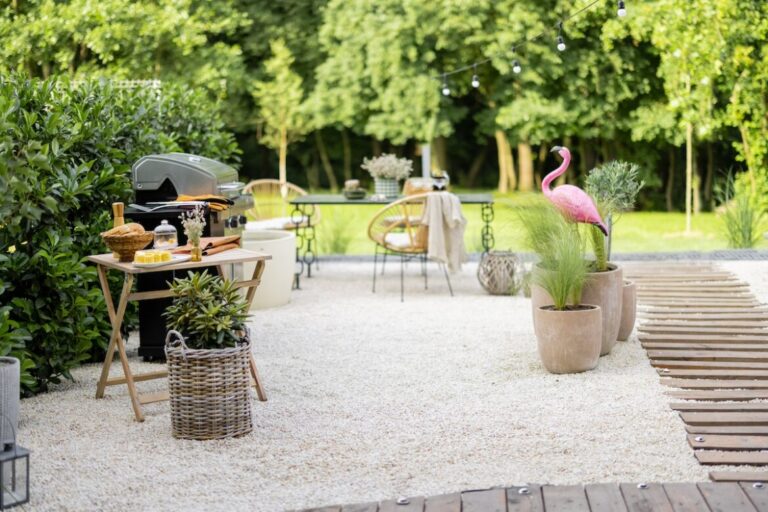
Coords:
pixel 166 236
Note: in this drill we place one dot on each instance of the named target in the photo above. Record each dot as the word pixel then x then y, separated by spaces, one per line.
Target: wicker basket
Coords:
pixel 126 245
pixel 209 390
pixel 499 272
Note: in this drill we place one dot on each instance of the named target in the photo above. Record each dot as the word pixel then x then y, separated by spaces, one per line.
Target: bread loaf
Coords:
pixel 132 228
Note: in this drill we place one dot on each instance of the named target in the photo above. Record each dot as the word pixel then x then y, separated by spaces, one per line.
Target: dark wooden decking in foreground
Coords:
pixel 677 497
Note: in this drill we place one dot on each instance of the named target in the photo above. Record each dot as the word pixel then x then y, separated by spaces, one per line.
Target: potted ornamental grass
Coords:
pixel 614 186
pixel 568 331
pixel 208 356
pixel 387 171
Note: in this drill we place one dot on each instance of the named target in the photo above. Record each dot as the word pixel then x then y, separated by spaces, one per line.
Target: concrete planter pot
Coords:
pixel 386 187
pixel 628 310
pixel 569 341
pixel 604 289
pixel 10 375
pixel 277 281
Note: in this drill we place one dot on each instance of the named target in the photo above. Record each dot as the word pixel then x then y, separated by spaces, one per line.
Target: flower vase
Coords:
pixel 386 187
pixel 196 252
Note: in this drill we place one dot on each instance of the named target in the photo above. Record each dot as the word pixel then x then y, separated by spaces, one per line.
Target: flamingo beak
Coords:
pixel 555 149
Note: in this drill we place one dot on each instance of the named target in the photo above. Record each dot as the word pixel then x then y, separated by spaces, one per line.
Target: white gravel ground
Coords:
pixel 370 399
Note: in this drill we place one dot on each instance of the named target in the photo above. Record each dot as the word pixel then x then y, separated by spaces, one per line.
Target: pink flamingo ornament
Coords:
pixel 573 202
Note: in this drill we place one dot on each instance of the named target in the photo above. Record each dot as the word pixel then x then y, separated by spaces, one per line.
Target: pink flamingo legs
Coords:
pixel 573 202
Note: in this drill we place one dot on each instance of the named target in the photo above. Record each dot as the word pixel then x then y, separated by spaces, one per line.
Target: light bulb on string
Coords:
pixel 516 67
pixel 475 80
pixel 622 9
pixel 560 41
pixel 445 89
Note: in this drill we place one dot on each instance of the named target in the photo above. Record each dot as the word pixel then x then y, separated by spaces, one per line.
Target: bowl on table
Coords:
pixel 125 246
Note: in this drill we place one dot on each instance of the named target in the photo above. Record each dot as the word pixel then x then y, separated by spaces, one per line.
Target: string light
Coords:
pixel 516 67
pixel 560 42
pixel 475 80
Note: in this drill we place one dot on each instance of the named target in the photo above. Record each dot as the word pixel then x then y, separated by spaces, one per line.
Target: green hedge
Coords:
pixel 65 156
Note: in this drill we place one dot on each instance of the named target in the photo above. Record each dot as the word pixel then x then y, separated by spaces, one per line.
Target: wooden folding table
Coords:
pixel 104 262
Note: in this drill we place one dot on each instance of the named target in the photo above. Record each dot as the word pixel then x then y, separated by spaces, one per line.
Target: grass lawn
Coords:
pixel 343 230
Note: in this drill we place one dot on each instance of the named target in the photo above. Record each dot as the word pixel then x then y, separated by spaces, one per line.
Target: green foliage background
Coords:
pixel 65 156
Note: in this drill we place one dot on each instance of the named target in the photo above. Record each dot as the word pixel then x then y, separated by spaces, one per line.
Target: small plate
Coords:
pixel 175 258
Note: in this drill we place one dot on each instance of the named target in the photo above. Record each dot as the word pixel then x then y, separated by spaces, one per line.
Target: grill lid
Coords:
pixel 188 174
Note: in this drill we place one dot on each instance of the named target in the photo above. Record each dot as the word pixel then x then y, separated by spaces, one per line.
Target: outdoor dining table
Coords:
pixel 105 262
pixel 304 208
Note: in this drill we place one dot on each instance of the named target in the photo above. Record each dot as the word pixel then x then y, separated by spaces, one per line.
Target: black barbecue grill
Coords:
pixel 157 182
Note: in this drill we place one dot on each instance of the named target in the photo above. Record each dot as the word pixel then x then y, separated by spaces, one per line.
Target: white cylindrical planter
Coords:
pixel 10 375
pixel 277 280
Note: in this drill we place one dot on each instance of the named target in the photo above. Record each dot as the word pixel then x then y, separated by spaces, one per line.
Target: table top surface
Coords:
pixel 371 199
pixel 222 258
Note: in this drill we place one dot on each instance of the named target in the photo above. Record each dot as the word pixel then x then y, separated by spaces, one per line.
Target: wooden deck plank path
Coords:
pixel 707 335
pixel 729 495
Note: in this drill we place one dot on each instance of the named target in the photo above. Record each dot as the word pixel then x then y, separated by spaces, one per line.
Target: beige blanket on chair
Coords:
pixel 446 229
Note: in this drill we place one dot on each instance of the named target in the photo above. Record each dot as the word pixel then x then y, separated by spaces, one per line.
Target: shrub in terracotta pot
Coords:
pixel 614 187
pixel 568 332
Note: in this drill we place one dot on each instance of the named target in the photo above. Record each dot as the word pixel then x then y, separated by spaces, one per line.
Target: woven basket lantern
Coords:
pixel 209 390
pixel 500 273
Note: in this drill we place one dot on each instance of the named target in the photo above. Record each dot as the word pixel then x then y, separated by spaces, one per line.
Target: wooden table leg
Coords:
pixel 257 272
pixel 116 341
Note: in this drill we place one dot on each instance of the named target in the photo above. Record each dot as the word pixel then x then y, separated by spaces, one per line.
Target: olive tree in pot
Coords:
pixel 614 187
pixel 208 354
pixel 568 332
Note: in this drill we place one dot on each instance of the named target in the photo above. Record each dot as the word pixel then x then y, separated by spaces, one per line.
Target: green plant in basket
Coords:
pixel 209 311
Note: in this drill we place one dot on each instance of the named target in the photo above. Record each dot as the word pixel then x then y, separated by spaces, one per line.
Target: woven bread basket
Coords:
pixel 125 246
pixel 209 389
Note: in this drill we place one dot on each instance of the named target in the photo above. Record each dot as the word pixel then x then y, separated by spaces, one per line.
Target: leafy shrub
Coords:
pixel 65 156
pixel 207 310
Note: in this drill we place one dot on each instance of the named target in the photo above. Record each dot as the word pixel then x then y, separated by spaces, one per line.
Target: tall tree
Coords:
pixel 280 100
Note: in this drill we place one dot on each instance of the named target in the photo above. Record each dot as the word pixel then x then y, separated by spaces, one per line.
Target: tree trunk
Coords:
pixel 347 154
pixel 440 153
pixel 671 181
pixel 326 161
pixel 710 176
pixel 525 157
pixel 507 175
pixel 376 145
pixel 688 175
pixel 283 154
pixel 313 173
pixel 477 165
pixel 696 184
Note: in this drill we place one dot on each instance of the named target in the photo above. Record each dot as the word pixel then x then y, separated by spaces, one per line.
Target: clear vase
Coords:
pixel 197 253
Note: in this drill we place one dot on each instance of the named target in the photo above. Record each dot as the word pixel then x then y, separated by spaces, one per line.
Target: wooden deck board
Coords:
pixel 652 497
pixel 724 497
pixel 719 395
pixel 530 502
pixel 685 497
pixel 443 503
pixel 565 498
pixel 727 442
pixel 605 498
pixel 491 500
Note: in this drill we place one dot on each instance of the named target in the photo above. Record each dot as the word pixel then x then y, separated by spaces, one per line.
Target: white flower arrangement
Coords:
pixel 388 166
pixel 194 223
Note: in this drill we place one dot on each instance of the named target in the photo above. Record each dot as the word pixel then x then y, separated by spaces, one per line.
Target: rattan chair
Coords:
pixel 397 229
pixel 272 206
pixel 272 209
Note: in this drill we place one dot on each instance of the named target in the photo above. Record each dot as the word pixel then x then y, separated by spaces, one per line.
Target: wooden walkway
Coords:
pixel 703 497
pixel 707 335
